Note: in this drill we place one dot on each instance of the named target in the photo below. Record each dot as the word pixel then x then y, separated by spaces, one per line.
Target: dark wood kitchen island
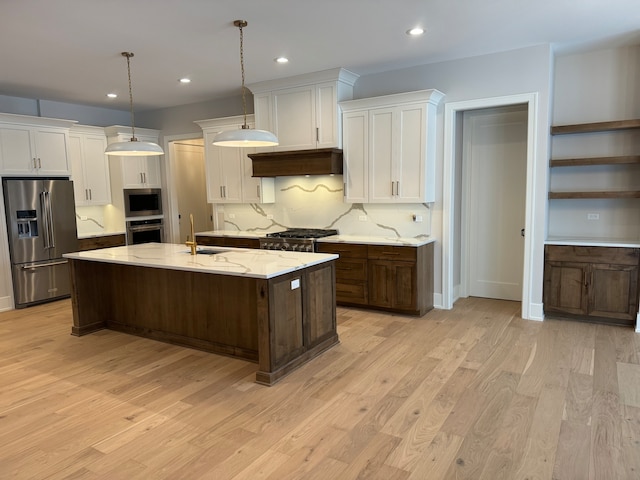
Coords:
pixel 274 308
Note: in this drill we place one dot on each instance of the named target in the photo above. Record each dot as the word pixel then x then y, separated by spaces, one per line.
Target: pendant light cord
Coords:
pixel 133 128
pixel 240 24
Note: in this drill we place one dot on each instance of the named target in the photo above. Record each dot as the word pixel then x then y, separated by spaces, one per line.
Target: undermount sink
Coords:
pixel 205 251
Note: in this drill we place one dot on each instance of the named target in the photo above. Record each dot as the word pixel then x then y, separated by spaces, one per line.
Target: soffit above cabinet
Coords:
pixel 323 161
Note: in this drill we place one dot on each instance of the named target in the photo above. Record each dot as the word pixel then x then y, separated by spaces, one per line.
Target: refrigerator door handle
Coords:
pixel 40 265
pixel 52 233
pixel 45 219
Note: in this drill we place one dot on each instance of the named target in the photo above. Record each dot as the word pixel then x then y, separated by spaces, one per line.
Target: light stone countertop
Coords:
pixel 373 240
pixel 592 242
pixel 242 262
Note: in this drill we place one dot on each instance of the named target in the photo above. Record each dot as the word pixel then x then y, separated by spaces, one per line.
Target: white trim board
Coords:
pixel 448 192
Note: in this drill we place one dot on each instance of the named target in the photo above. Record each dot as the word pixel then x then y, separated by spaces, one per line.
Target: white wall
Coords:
pixel 502 74
pixel 596 86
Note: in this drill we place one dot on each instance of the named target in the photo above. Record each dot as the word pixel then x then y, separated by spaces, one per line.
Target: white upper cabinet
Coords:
pixel 302 111
pixel 89 165
pixel 134 172
pixel 389 148
pixel 34 145
pixel 229 169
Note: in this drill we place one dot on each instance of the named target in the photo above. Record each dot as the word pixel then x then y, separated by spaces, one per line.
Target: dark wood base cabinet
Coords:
pixel 280 323
pixel 393 278
pixel 103 241
pixel 598 284
pixel 221 241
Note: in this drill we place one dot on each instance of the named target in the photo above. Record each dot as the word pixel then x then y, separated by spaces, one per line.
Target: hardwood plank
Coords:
pixel 474 392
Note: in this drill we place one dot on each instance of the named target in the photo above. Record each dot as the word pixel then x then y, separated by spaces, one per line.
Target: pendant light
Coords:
pixel 134 147
pixel 245 136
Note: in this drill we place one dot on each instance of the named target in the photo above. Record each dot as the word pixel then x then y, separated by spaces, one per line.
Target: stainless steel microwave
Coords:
pixel 142 202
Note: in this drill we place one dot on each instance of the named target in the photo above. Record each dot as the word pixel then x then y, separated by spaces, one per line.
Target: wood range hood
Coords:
pixel 323 161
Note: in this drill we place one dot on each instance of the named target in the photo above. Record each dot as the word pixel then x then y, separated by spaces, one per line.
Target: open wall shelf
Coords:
pixel 588 161
pixel 595 127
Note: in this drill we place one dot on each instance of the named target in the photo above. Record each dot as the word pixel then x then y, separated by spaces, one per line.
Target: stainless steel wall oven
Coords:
pixel 145 231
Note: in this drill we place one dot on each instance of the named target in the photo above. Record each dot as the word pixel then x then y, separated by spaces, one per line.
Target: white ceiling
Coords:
pixel 69 50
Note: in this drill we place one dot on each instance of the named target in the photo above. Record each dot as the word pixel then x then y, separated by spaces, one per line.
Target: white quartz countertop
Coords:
pixel 593 242
pixel 100 234
pixel 373 240
pixel 242 262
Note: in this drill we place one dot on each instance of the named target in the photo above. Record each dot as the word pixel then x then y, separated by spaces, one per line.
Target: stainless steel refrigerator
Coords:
pixel 41 227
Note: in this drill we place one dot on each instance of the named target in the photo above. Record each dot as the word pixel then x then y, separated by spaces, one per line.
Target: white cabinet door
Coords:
pixel 141 172
pixel 255 189
pixel 34 151
pixel 327 116
pixel 294 118
pixel 51 151
pixel 410 159
pixel 96 170
pixel 151 168
pixel 15 150
pixel 80 191
pixel 223 166
pixel 356 155
pixel 89 169
pixel 381 155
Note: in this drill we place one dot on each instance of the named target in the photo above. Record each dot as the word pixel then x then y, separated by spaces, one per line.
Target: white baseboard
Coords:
pixel 536 312
pixel 6 303
pixel 437 301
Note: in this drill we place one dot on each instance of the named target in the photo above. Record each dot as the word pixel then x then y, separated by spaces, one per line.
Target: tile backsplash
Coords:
pixel 317 202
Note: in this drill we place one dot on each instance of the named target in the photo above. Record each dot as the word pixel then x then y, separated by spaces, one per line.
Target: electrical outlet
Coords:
pixel 232 215
pixel 269 216
pixel 593 216
pixel 416 218
pixel 362 218
pixel 83 217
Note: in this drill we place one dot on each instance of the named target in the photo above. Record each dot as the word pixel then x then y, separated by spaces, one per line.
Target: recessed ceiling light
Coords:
pixel 281 60
pixel 414 32
pixel 185 80
pixel 112 95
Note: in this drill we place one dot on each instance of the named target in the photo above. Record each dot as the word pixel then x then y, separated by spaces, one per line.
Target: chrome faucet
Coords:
pixel 192 243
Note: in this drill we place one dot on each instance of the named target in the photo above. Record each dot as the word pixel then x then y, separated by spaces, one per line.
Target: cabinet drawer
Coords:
pixel 242 242
pixel 94 243
pixel 386 252
pixel 569 253
pixel 351 269
pixel 351 293
pixel 210 241
pixel 351 250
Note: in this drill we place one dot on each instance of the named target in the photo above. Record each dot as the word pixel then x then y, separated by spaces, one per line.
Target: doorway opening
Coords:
pixel 187 185
pixel 452 274
pixel 493 202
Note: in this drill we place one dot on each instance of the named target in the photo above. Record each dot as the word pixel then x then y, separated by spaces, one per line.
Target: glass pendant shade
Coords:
pixel 134 148
pixel 245 137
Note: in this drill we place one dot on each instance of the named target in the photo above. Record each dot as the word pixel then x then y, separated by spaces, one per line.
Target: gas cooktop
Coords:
pixel 303 233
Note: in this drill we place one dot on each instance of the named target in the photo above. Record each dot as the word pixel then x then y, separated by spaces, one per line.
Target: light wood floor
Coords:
pixel 471 393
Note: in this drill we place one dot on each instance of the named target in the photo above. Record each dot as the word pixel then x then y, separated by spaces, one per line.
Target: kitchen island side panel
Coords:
pixel 211 312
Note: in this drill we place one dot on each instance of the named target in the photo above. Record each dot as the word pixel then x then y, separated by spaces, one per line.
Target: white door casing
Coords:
pixel 529 310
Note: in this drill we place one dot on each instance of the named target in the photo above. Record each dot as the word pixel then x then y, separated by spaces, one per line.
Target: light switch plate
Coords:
pixel 295 284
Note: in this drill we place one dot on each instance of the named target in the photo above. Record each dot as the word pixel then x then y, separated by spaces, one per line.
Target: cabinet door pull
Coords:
pixel 144 175
pixel 392 188
pixel 224 191
pixel 317 134
pixel 221 191
pixel 90 195
pixel 86 194
pixel 258 190
pixel 39 163
pixel 33 160
pixel 141 178
pixel 398 188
